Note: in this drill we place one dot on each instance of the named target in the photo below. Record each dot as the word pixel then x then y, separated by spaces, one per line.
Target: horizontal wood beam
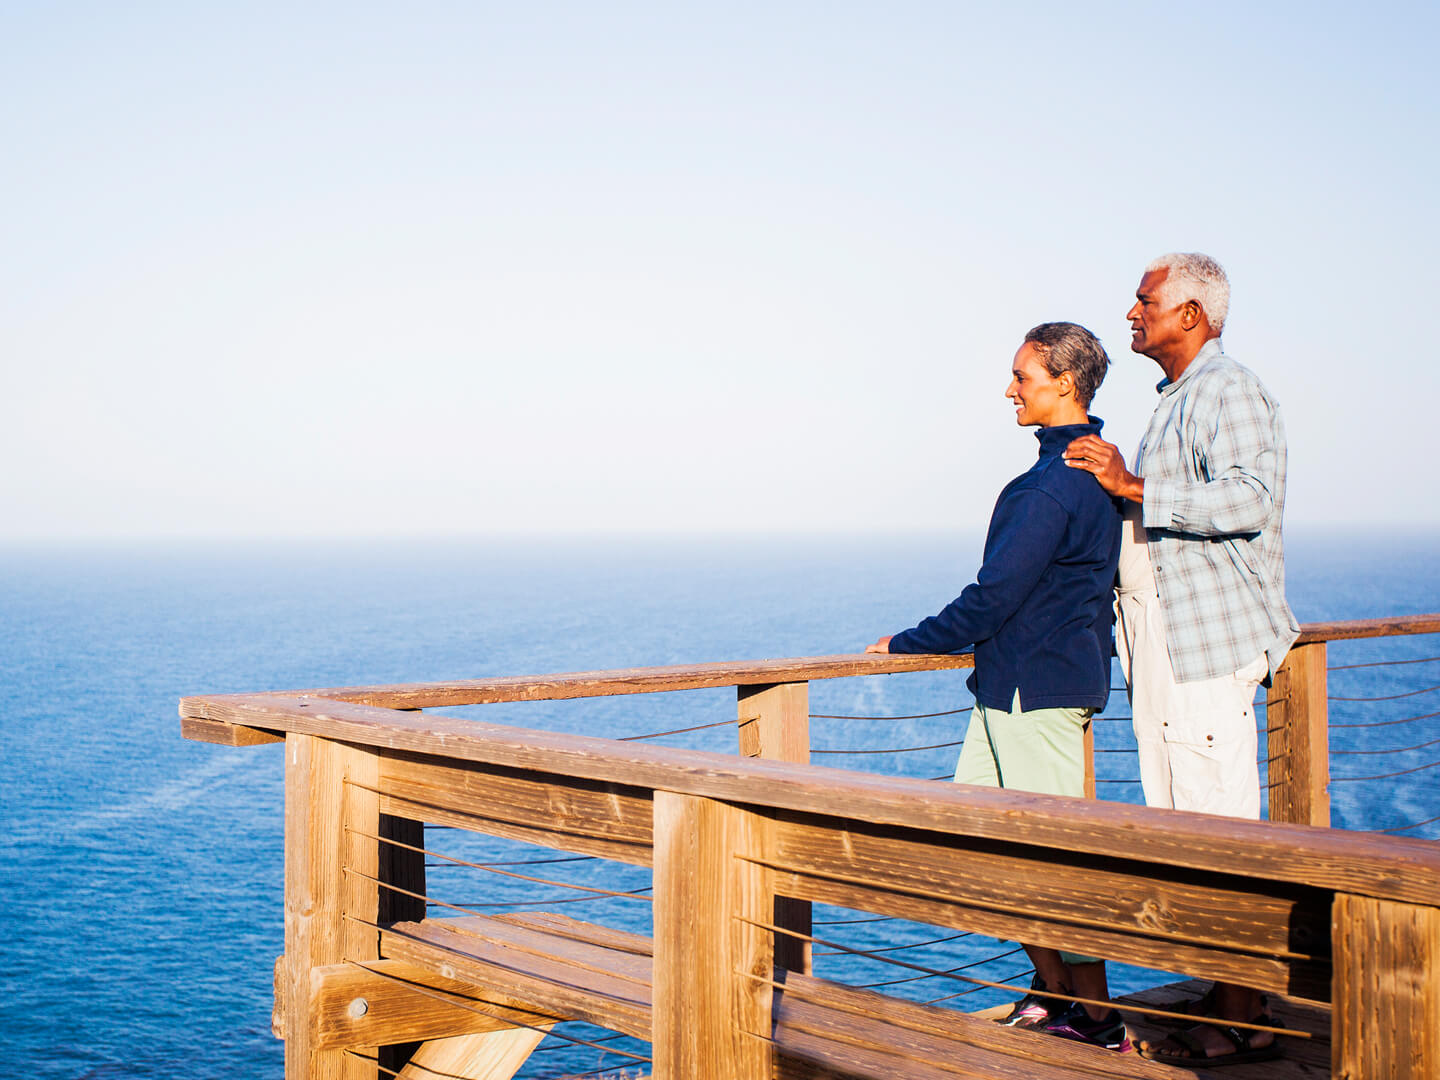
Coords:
pixel 649 680
pixel 621 681
pixel 1275 937
pixel 1349 629
pixel 221 734
pixel 858 1032
pixel 553 975
pixel 609 821
pixel 1385 867
pixel 388 1001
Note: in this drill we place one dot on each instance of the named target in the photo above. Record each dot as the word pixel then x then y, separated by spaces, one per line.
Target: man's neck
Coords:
pixel 1176 364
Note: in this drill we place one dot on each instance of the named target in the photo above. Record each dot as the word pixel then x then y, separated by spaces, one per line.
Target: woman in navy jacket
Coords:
pixel 1038 617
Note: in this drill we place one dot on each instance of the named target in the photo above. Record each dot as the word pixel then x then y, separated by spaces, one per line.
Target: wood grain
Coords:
pixel 493 1056
pixel 774 723
pixel 405 1003
pixel 703 949
pixel 843 1027
pixel 1297 717
pixel 611 821
pixel 549 974
pixel 645 680
pixel 319 803
pixel 648 680
pixel 1392 626
pixel 1387 997
pixel 1389 867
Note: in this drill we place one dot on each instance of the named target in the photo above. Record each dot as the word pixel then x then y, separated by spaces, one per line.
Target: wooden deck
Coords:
pixel 1305 1059
pixel 1341 929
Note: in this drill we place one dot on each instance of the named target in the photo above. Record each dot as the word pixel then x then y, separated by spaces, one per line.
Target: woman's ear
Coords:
pixel 1065 383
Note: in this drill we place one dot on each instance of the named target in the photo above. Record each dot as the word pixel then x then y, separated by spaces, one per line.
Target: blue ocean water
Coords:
pixel 143 873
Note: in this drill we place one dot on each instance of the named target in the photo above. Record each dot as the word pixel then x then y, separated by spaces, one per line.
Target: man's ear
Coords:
pixel 1190 314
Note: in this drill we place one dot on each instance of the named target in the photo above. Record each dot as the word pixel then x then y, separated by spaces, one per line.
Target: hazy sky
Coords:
pixel 468 267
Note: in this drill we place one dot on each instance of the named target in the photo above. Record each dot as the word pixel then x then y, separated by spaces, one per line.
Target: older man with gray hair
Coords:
pixel 1202 616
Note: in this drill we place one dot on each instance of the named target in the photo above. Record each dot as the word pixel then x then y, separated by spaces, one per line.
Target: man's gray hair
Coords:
pixel 1197 277
pixel 1068 346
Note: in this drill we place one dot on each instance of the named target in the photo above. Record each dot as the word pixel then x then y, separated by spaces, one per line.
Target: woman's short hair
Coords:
pixel 1068 346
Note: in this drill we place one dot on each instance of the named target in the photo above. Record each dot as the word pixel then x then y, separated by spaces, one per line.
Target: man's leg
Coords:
pixel 1210 740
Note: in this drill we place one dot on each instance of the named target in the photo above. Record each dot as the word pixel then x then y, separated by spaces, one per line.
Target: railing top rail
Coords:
pixel 643 680
pixel 1393 626
pixel 649 680
pixel 1386 867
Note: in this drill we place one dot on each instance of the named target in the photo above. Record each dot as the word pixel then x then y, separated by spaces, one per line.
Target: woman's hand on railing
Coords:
pixel 881 646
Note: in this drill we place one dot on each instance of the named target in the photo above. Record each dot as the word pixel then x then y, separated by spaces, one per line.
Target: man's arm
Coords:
pixel 1095 455
pixel 1242 458
pixel 1026 532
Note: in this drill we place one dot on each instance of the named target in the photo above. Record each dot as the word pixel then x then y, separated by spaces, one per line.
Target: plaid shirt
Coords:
pixel 1213 461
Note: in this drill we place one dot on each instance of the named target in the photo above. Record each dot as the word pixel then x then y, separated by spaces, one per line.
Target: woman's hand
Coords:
pixel 883 645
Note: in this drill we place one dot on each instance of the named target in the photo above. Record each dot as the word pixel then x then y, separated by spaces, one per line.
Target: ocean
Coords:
pixel 142 873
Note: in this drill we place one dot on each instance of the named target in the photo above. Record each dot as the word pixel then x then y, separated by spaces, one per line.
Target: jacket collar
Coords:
pixel 1054 439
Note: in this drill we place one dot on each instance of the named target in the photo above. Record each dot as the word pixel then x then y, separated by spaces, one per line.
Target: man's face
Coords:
pixel 1035 392
pixel 1155 328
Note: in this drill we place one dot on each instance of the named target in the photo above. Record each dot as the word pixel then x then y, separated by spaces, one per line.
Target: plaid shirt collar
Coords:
pixel 1208 352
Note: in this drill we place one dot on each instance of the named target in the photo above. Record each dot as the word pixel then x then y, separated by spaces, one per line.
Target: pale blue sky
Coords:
pixel 471 267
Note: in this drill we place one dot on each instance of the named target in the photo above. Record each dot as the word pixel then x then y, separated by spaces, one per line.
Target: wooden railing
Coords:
pixel 740 848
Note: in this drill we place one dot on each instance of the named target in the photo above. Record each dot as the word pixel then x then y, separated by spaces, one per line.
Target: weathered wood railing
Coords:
pixel 738 850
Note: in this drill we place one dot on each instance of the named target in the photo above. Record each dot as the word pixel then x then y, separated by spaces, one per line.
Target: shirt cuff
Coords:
pixel 900 643
pixel 1158 504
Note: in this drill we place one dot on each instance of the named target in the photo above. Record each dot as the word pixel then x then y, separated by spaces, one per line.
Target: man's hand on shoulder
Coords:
pixel 883 645
pixel 1104 460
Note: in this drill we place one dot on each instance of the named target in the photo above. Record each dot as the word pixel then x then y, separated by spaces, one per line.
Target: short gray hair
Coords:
pixel 1197 277
pixel 1068 346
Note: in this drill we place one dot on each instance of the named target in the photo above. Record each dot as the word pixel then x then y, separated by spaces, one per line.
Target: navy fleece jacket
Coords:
pixel 1039 613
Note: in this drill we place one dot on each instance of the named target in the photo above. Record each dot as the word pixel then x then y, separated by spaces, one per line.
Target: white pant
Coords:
pixel 1197 739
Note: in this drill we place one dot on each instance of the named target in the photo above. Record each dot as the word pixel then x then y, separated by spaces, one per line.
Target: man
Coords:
pixel 1039 618
pixel 1201 599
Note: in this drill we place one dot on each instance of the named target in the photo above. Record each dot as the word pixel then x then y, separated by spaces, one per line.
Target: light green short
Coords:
pixel 1041 750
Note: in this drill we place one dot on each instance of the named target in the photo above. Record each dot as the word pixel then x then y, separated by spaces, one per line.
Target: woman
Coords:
pixel 1038 618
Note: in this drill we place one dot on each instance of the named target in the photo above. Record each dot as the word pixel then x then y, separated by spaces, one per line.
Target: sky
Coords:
pixel 304 270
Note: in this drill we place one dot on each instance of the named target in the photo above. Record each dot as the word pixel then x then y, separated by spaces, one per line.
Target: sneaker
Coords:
pixel 1076 1024
pixel 1033 1011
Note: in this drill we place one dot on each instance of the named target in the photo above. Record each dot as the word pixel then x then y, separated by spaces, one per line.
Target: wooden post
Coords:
pixel 707 1013
pixel 1299 739
pixel 1385 991
pixel 1090 758
pixel 405 868
pixel 321 798
pixel 774 721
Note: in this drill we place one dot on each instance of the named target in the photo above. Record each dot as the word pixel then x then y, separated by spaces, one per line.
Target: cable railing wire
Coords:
pixel 452 860
pixel 913 716
pixel 1388 697
pixel 1389 723
pixel 893 750
pixel 978 982
pixel 459 1001
pixel 922 978
pixel 1383 663
pixel 1391 750
pixel 1384 776
pixel 899 948
pixel 1403 828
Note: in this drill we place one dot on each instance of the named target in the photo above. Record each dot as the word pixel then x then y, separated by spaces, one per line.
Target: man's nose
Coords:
pixel 1134 312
